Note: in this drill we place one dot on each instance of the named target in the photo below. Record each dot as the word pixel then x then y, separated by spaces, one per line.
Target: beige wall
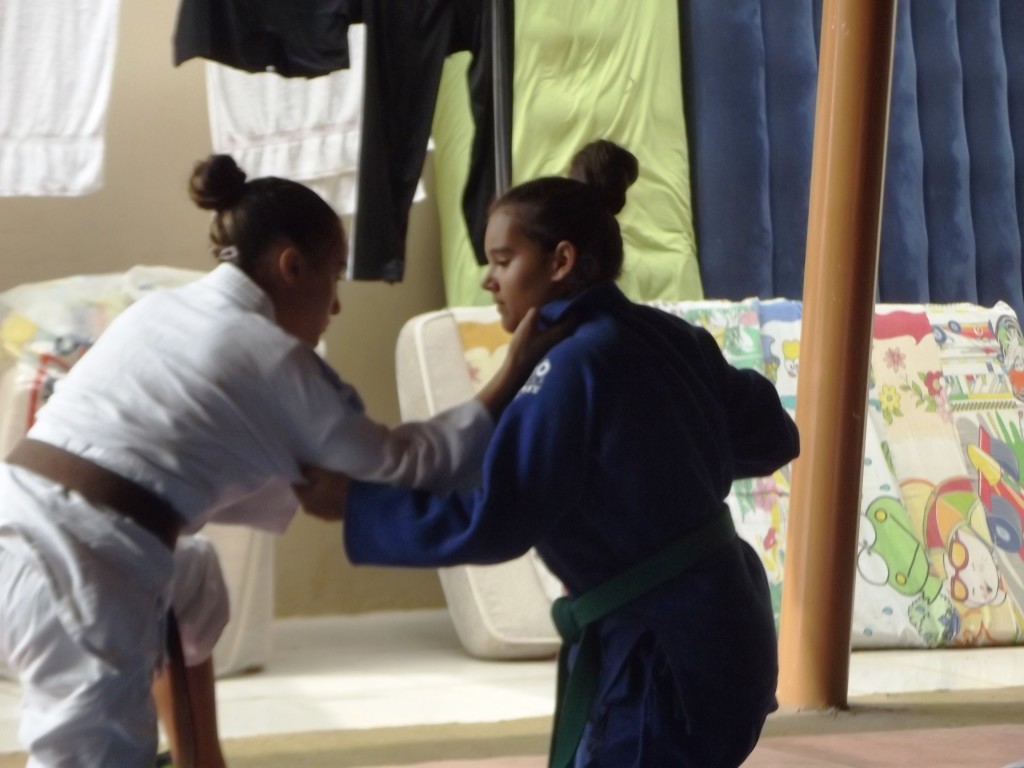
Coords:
pixel 157 127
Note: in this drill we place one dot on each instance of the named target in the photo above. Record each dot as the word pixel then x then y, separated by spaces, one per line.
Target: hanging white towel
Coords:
pixel 302 129
pixel 56 66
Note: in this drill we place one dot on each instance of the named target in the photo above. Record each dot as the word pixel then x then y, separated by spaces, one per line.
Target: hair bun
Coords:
pixel 217 183
pixel 609 169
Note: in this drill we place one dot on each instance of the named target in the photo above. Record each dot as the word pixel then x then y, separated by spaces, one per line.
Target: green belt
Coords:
pixel 574 620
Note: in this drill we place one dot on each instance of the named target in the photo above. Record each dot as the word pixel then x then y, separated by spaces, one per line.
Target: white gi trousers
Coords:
pixel 81 624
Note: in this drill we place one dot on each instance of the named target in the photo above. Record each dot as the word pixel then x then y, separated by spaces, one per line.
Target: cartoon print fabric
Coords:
pixel 950 533
pixel 941 529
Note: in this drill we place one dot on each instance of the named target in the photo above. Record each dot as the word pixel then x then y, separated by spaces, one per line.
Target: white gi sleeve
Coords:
pixel 333 431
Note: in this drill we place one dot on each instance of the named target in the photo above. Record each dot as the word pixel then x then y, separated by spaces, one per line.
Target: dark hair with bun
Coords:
pixel 609 168
pixel 250 216
pixel 580 210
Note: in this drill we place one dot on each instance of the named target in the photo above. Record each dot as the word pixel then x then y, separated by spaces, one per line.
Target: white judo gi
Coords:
pixel 196 394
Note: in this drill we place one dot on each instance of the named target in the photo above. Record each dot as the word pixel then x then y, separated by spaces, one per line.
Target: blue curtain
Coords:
pixel 953 206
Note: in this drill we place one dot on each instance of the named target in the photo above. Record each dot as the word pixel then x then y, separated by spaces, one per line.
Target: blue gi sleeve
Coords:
pixel 763 436
pixel 385 525
pixel 533 471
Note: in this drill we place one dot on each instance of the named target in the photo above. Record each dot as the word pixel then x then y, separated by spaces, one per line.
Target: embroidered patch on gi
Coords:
pixel 329 373
pixel 349 396
pixel 533 384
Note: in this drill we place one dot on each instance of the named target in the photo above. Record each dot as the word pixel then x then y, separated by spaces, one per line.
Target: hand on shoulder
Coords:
pixel 529 344
pixel 324 494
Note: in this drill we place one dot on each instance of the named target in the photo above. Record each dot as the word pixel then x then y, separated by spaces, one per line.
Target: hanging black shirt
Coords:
pixel 406 45
pixel 295 38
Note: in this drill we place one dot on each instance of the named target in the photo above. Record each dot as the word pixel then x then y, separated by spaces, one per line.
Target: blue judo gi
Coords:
pixel 625 438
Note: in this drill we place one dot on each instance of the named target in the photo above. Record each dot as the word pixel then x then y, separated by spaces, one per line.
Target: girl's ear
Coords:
pixel 289 264
pixel 563 261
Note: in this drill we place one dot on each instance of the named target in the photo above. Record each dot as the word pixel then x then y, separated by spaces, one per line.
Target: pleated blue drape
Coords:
pixel 953 206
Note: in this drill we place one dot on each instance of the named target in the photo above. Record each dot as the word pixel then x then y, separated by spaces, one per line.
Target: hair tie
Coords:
pixel 228 253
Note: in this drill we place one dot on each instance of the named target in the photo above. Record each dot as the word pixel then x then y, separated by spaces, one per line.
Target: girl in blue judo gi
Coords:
pixel 614 461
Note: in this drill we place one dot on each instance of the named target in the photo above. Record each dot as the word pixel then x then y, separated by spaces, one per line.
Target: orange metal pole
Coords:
pixel 847 170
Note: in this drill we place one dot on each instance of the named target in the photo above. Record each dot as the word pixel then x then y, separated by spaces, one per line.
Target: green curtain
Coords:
pixel 578 77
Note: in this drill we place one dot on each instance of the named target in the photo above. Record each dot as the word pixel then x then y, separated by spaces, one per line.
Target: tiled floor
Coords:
pixel 392 669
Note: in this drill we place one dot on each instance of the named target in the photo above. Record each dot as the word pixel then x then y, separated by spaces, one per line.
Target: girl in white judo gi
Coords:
pixel 199 403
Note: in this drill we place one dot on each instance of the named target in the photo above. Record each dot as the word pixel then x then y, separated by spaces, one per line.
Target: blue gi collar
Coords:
pixel 596 298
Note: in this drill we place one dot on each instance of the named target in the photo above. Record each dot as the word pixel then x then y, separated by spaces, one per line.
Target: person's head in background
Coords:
pixel 282 234
pixel 553 237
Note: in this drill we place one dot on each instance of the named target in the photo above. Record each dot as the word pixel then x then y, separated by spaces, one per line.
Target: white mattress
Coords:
pixel 499 611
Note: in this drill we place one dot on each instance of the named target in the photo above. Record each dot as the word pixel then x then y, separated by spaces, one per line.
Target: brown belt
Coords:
pixel 100 486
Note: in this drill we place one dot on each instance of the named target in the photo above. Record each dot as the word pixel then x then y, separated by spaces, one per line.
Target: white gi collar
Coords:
pixel 229 279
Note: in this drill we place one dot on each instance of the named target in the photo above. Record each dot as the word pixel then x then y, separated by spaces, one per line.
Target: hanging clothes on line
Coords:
pixel 578 78
pixel 296 38
pixel 301 129
pixel 56 67
pixel 307 130
pixel 406 46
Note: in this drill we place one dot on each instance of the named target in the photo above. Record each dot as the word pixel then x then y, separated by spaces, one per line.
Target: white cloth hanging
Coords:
pixel 56 66
pixel 302 129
